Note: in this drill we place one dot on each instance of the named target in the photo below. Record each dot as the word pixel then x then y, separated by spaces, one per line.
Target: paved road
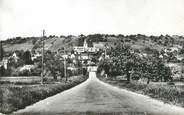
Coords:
pixel 94 96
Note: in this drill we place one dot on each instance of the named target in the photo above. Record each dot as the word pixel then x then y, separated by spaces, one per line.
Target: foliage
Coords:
pixel 27 58
pixel 168 94
pixel 24 73
pixel 1 51
pixel 34 41
pixel 124 60
pixel 95 38
pixel 2 70
pixel 80 41
pixel 54 64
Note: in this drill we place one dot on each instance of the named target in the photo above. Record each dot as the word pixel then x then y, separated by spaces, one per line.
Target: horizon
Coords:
pixel 90 34
pixel 20 18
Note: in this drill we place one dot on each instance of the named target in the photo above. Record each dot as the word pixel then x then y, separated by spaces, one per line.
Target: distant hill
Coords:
pixel 51 43
pixel 54 43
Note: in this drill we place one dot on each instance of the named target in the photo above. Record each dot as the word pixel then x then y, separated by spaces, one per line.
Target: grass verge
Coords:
pixel 14 97
pixel 168 94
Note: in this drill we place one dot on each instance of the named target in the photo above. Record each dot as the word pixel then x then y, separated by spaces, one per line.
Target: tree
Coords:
pixel 2 70
pixel 54 65
pixel 123 61
pixel 80 41
pixel 154 68
pixel 126 61
pixel 1 51
pixel 1 58
pixel 128 67
pixel 27 57
pixel 34 41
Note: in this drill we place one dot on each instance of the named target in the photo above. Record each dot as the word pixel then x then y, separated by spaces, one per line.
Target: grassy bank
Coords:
pixel 14 97
pixel 168 94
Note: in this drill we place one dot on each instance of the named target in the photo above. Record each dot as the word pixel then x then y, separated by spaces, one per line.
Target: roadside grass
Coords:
pixel 17 96
pixel 168 94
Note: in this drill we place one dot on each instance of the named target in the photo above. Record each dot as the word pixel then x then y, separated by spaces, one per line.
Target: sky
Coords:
pixel 74 17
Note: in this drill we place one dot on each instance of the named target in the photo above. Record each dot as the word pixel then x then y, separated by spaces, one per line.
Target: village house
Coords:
pixel 4 63
pixel 5 60
pixel 172 50
pixel 27 67
pixel 15 57
pixel 35 56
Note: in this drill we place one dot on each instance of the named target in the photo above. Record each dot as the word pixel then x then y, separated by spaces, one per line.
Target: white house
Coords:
pixel 35 56
pixel 172 49
pixel 72 56
pixel 4 63
pixel 15 57
pixel 85 56
pixel 27 67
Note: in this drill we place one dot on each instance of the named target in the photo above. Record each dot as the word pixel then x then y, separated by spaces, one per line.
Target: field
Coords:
pixel 23 46
pixel 18 96
pixel 52 44
pixel 19 80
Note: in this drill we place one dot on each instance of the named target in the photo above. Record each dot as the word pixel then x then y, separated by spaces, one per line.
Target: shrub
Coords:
pixel 15 97
pixel 168 94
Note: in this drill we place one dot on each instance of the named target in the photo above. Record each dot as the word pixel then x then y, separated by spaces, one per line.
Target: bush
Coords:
pixel 24 73
pixel 168 94
pixel 15 97
pixel 2 70
pixel 35 72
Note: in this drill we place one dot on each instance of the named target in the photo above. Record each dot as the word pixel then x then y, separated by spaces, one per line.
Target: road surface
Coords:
pixel 95 96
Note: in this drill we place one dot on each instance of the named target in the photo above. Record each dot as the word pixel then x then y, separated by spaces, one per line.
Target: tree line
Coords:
pixel 125 61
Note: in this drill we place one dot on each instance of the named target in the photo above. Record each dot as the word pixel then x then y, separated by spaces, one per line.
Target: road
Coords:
pixel 95 96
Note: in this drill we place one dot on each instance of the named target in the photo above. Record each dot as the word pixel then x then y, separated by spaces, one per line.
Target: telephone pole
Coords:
pixel 65 65
pixel 42 73
pixel 105 50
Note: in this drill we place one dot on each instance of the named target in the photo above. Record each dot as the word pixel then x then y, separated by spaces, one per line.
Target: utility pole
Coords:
pixel 42 73
pixel 105 50
pixel 65 65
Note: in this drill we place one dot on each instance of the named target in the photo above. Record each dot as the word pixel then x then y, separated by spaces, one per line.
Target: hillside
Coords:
pixel 54 43
pixel 51 43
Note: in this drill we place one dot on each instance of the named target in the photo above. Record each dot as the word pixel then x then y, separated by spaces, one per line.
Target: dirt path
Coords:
pixel 95 96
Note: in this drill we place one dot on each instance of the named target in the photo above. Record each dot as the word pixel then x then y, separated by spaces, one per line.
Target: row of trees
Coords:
pixel 124 61
pixel 162 39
